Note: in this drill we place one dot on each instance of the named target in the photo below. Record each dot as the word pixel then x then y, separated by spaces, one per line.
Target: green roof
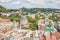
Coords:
pixel 48 29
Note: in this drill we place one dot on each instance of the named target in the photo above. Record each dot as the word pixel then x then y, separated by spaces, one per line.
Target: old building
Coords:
pixel 24 22
pixel 31 15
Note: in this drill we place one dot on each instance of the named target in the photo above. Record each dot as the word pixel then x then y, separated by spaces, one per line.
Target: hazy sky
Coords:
pixel 31 3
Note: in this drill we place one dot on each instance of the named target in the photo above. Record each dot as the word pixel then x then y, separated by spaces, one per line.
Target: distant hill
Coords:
pixel 35 10
pixel 30 10
pixel 1 6
pixel 3 9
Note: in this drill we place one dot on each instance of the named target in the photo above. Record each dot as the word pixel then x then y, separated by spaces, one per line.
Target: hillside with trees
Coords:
pixel 3 9
pixel 29 10
pixel 36 10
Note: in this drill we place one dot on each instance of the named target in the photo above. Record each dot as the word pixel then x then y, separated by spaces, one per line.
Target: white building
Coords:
pixel 31 15
pixel 6 14
pixel 24 21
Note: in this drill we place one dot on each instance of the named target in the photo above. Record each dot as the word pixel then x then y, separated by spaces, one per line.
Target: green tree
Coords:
pixel 42 16
pixel 50 24
pixel 37 16
pixel 31 20
pixel 53 17
pixel 33 26
pixel 14 17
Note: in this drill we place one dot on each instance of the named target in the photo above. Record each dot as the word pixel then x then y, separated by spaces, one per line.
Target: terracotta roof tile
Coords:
pixel 4 20
pixel 41 38
pixel 48 38
pixel 54 38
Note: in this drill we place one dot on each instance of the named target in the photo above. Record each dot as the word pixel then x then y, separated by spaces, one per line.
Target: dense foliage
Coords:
pixel 30 10
pixel 54 17
pixel 12 17
pixel 36 10
pixel 3 9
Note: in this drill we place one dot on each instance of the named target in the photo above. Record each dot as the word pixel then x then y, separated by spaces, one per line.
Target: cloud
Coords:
pixel 33 3
pixel 16 2
pixel 36 1
pixel 57 2
pixel 3 1
pixel 42 2
pixel 39 3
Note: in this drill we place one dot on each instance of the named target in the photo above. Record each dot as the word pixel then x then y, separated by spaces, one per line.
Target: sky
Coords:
pixel 30 3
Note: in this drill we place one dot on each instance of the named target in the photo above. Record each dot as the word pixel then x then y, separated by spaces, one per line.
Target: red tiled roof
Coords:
pixel 4 31
pixel 0 39
pixel 54 38
pixel 41 38
pixel 4 20
pixel 48 38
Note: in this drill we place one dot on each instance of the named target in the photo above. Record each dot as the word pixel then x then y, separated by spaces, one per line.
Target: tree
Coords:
pixel 15 17
pixel 33 26
pixel 53 17
pixel 37 16
pixel 31 20
pixel 42 16
pixel 50 24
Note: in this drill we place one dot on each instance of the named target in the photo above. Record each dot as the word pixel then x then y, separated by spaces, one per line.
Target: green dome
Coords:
pixel 49 29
